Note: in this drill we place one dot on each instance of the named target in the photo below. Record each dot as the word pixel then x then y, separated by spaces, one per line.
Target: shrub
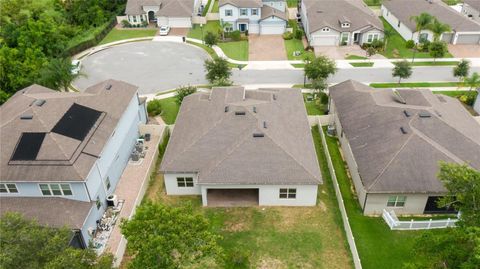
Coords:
pixel 92 41
pixel 323 98
pixel 126 24
pixel 144 23
pixel 154 108
pixel 410 44
pixel 468 99
pixel 236 35
pixel 211 39
pixel 182 92
pixel 298 34
pixel 377 44
pixel 239 259
pixel 287 35
pixel 425 45
pixel 246 33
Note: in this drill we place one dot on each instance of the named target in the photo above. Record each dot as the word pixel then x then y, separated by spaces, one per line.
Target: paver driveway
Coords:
pixel 464 51
pixel 266 48
pixel 151 65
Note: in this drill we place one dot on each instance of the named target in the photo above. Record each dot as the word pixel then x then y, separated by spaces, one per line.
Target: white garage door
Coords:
pixel 468 39
pixel 272 29
pixel 324 41
pixel 185 22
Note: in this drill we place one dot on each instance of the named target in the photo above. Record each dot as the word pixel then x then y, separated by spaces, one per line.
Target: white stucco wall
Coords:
pixel 476 105
pixel 414 204
pixel 252 26
pixel 280 5
pixel 172 188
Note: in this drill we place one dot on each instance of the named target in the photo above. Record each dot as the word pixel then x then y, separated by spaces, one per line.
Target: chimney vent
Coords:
pixel 109 86
pixel 226 109
pixel 258 135
pixel 40 102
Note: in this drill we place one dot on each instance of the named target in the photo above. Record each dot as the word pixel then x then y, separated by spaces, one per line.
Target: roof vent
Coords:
pixel 40 102
pixel 274 97
pixel 265 125
pixel 226 109
pixel 109 86
pixel 26 117
pixel 258 135
pixel 239 113
pixel 319 11
pixel 407 114
pixel 254 109
pixel 424 114
pixel 403 130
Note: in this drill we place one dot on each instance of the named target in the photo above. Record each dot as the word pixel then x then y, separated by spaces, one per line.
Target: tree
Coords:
pixel 154 108
pixel 438 29
pixel 402 70
pixel 182 92
pixel 473 81
pixel 58 74
pixel 437 49
pixel 319 68
pixel 370 51
pixel 387 34
pixel 217 69
pixel 226 26
pixel 210 39
pixel 422 22
pixel 161 236
pixel 26 244
pixel 462 69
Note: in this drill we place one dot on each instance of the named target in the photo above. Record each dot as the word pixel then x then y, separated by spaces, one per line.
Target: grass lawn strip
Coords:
pixel 169 110
pixel 295 45
pixel 355 57
pixel 205 9
pixel 417 84
pixel 292 3
pixel 210 26
pixel 117 34
pixel 236 50
pixel 312 107
pixel 213 54
pixel 361 64
pixel 440 63
pixel 215 7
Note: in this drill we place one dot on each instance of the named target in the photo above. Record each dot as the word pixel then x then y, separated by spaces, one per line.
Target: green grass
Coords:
pixel 298 65
pixel 292 3
pixel 355 57
pixel 169 110
pixel 373 2
pixel 211 26
pixel 361 64
pixel 396 46
pixel 314 107
pixel 117 34
pixel 452 2
pixel 416 84
pixel 378 246
pixel 237 50
pixel 205 10
pixel 442 63
pixel 215 7
pixel 295 45
pixel 213 54
pixel 455 94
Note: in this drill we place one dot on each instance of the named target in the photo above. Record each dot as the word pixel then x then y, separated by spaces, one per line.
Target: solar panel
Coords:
pixel 28 146
pixel 77 122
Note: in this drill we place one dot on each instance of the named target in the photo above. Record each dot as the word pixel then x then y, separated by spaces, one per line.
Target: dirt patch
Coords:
pixel 270 263
pixel 238 220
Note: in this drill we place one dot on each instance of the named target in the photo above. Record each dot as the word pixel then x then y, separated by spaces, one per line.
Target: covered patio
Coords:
pixel 232 197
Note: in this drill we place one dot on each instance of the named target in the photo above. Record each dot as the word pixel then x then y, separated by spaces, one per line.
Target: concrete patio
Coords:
pixel 232 197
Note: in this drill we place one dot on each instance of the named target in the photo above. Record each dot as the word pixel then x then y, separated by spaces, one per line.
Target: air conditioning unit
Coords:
pixel 112 200
pixel 331 130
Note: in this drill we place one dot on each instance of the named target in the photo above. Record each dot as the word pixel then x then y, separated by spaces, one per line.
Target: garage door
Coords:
pixel 324 41
pixel 447 38
pixel 468 39
pixel 272 29
pixel 175 22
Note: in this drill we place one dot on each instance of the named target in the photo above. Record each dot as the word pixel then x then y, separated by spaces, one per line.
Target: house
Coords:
pixel 471 9
pixel 233 145
pixel 399 13
pixel 339 22
pixel 393 142
pixel 476 104
pixel 265 17
pixel 172 13
pixel 63 153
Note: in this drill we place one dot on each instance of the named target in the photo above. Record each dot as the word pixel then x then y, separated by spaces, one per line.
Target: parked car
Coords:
pixel 76 65
pixel 164 30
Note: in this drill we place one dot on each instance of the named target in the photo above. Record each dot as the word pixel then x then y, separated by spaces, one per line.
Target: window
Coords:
pixel 243 12
pixel 288 193
pixel 184 182
pixel 55 189
pixel 228 12
pixel 326 29
pixel 423 37
pixel 396 201
pixel 254 11
pixel 134 18
pixel 107 183
pixel 8 188
pixel 98 203
pixel 372 37
pixel 344 38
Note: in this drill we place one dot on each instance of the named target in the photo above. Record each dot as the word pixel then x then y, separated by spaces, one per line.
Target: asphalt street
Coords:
pixel 160 66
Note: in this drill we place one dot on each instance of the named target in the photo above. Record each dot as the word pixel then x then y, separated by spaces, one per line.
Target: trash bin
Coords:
pixel 147 137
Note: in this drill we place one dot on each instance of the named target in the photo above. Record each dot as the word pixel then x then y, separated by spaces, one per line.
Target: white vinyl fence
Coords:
pixel 395 224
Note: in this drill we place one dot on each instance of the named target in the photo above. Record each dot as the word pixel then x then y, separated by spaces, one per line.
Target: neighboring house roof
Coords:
pixel 47 135
pixel 242 3
pixel 134 7
pixel 404 10
pixel 52 211
pixel 331 13
pixel 389 161
pixel 211 139
pixel 177 8
pixel 268 11
pixel 475 4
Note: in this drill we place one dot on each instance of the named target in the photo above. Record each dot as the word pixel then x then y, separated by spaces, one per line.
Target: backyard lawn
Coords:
pixel 211 26
pixel 314 107
pixel 169 110
pixel 295 45
pixel 237 50
pixel 117 34
pixel 378 246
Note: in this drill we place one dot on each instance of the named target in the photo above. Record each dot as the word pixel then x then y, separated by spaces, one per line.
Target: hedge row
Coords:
pixel 91 42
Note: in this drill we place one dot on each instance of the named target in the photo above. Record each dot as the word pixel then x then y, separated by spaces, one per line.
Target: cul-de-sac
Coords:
pixel 238 134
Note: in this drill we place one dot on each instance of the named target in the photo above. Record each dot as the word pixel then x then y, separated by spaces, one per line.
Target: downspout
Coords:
pixel 365 203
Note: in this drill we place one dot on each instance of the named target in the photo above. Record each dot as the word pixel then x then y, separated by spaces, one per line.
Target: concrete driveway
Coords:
pixel 340 52
pixel 266 48
pixel 464 51
pixel 152 66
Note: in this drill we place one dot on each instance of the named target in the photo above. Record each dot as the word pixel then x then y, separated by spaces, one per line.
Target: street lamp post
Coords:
pixel 201 28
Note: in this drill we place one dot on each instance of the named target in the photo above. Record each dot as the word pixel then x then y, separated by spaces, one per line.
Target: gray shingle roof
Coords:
pixel 52 211
pixel 134 7
pixel 220 145
pixel 331 13
pixel 387 159
pixel 268 11
pixel 242 3
pixel 168 8
pixel 405 9
pixel 60 157
pixel 473 3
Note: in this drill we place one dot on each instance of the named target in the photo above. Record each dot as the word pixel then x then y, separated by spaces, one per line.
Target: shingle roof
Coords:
pixel 268 11
pixel 61 156
pixel 387 159
pixel 220 145
pixel 242 3
pixel 405 9
pixel 134 7
pixel 331 13
pixel 473 3
pixel 52 211
pixel 168 8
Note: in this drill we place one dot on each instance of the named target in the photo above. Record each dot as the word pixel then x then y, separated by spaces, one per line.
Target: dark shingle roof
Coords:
pixel 473 3
pixel 242 3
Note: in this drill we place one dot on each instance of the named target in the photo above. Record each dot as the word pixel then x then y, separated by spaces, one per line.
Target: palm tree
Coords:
pixel 387 34
pixel 473 81
pixel 224 25
pixel 438 28
pixel 58 75
pixel 422 21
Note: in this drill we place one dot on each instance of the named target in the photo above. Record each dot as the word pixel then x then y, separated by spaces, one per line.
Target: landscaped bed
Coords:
pixel 119 34
pixel 367 64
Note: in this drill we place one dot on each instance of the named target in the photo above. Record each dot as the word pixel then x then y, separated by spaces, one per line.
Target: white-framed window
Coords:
pixel 423 37
pixel 8 188
pixel 228 12
pixel 135 18
pixel 184 182
pixel 372 37
pixel 344 38
pixel 254 11
pixel 55 189
pixel 287 193
pixel 396 201
pixel 345 25
pixel 243 12
pixel 98 202
pixel 107 183
pixel 326 29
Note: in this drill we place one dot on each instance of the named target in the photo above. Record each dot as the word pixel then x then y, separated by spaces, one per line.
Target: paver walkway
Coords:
pixel 266 48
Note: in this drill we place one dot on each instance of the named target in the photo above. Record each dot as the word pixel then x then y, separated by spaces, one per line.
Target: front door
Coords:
pixel 242 27
pixel 356 37
pixel 151 16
